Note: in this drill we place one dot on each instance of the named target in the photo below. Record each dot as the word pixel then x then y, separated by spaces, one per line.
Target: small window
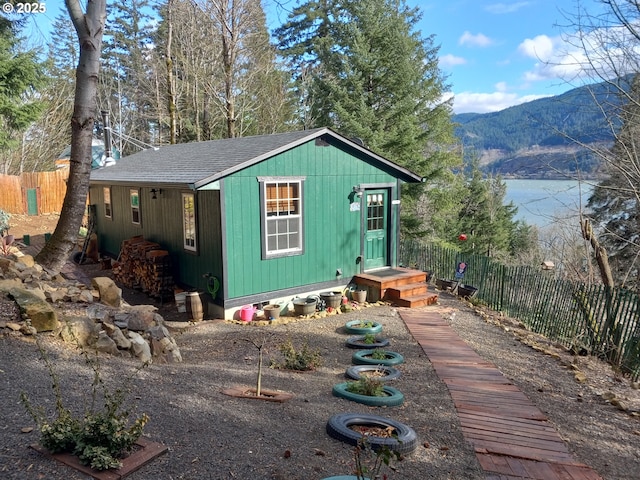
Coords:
pixel 106 193
pixel 189 221
pixel 282 217
pixel 135 206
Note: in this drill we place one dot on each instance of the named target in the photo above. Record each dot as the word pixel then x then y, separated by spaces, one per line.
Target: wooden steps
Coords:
pixel 403 287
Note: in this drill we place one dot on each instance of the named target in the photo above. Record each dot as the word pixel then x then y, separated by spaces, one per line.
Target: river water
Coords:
pixel 545 202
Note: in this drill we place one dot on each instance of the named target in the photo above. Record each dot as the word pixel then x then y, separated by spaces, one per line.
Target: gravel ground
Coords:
pixel 214 436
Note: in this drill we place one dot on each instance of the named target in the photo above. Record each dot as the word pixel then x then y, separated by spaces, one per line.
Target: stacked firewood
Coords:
pixel 145 266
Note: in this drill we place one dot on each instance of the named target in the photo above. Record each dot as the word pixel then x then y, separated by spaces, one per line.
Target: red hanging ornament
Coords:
pixel 462 237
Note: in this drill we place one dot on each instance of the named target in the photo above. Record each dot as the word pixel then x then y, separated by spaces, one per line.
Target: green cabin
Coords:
pixel 265 218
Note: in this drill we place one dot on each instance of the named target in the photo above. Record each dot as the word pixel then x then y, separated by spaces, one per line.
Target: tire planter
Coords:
pixel 357 342
pixel 356 372
pixel 362 357
pixel 405 439
pixel 351 328
pixel 393 398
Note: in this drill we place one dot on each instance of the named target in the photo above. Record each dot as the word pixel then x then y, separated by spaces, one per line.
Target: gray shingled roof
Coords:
pixel 199 163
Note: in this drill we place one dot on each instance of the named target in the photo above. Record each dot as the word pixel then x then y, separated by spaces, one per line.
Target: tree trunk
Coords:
pixel 171 85
pixel 90 28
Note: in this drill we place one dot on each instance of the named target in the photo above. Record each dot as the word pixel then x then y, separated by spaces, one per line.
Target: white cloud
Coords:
pixel 468 102
pixel 478 40
pixel 555 59
pixel 501 86
pixel 451 60
pixel 500 8
pixel 541 47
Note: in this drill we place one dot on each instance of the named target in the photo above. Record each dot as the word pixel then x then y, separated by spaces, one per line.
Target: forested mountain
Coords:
pixel 538 138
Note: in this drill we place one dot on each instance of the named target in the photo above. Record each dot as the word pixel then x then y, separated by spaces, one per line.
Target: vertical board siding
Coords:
pixel 161 222
pixel 592 318
pixel 331 230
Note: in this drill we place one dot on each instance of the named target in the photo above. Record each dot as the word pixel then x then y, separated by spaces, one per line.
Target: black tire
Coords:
pixel 361 358
pixel 405 440
pixel 375 328
pixel 356 342
pixel 393 398
pixel 355 372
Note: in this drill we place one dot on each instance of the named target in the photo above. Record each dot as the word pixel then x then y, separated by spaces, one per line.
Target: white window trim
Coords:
pixel 185 244
pixel 132 207
pixel 264 219
pixel 108 212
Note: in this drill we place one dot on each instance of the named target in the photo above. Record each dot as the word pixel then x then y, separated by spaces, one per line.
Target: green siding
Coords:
pixel 162 223
pixel 332 231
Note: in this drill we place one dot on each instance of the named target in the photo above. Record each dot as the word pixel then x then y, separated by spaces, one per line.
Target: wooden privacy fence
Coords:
pixel 33 193
pixel 586 318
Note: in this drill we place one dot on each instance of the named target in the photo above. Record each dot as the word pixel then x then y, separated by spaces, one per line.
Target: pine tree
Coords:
pixel 20 75
pixel 365 71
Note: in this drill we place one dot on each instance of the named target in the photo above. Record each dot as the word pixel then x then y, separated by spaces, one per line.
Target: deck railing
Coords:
pixel 591 319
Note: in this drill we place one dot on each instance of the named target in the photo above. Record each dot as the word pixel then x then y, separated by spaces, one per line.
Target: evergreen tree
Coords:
pixel 615 202
pixel 369 74
pixel 127 90
pixel 488 223
pixel 20 75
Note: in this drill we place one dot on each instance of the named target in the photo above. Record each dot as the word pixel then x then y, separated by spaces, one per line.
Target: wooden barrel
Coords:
pixel 194 306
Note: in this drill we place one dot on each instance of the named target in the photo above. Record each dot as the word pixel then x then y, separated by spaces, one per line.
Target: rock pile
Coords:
pixel 34 301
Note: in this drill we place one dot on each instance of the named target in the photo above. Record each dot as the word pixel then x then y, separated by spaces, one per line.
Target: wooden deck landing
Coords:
pixel 512 438
pixel 404 287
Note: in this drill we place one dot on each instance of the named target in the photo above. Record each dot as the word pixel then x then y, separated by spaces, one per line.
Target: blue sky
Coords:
pixel 495 53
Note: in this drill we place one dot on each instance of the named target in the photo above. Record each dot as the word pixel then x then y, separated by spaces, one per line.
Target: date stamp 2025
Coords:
pixel 24 8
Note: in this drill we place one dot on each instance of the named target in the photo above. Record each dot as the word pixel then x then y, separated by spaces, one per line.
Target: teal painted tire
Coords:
pixel 356 372
pixel 357 342
pixel 350 327
pixel 362 357
pixel 393 398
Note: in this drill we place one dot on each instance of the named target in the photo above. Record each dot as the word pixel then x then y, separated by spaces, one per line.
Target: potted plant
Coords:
pixel 272 311
pixel 359 295
pixel 305 306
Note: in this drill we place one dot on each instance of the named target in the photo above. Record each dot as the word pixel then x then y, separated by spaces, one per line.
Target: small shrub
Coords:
pixel 379 354
pixel 369 386
pixel 302 360
pixel 382 456
pixel 101 436
pixel 369 339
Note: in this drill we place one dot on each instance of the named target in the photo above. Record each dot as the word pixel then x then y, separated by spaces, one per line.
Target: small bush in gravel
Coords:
pixel 382 456
pixel 101 436
pixel 369 386
pixel 302 359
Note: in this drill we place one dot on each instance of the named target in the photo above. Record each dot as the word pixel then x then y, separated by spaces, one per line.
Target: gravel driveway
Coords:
pixel 214 436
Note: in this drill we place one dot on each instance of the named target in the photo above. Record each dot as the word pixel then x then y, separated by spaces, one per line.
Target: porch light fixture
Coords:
pixel 358 190
pixel 155 192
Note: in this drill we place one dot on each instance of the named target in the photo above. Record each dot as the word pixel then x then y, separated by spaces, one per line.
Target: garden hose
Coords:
pixel 213 285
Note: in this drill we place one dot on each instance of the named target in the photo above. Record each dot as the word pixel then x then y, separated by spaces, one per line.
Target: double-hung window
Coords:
pixel 282 216
pixel 189 222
